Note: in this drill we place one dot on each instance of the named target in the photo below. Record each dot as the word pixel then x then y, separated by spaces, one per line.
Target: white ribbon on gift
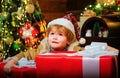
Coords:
pixel 96 49
pixel 23 62
pixel 90 67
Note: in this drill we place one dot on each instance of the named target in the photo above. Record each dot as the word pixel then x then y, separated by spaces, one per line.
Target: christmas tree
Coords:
pixel 22 26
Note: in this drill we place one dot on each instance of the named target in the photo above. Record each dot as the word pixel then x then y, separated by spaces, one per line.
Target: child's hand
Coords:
pixel 112 49
pixel 9 65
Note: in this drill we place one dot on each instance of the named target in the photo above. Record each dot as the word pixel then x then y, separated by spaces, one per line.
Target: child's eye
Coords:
pixel 51 33
pixel 61 34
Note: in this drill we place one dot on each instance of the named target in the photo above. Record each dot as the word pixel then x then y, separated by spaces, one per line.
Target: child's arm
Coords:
pixel 12 63
pixel 109 48
pixel 29 54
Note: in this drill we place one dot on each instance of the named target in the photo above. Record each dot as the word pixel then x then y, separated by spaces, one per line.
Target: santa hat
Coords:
pixel 68 21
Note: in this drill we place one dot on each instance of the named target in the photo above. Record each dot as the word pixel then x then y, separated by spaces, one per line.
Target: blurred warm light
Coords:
pixel 107 2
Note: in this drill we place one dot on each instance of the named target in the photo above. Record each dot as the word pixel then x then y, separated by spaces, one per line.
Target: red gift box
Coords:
pixel 63 66
pixel 2 73
pixel 25 72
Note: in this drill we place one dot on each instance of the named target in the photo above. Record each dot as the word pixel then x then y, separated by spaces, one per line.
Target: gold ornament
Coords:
pixel 13 23
pixel 9 40
pixel 18 41
pixel 30 8
pixel 5 14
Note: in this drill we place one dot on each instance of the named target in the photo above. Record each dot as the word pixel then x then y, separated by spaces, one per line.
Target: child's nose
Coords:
pixel 55 36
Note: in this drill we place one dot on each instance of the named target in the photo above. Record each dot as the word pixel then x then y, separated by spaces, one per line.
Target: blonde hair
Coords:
pixel 68 33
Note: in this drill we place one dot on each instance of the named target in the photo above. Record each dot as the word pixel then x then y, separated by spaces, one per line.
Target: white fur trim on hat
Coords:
pixel 64 22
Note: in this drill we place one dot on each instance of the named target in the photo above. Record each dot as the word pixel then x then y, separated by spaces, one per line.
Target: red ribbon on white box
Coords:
pixel 90 67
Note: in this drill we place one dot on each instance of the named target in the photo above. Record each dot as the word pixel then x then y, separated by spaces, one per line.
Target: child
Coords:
pixel 61 36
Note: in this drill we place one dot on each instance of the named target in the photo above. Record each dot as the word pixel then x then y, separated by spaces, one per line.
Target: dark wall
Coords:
pixel 57 8
pixel 78 4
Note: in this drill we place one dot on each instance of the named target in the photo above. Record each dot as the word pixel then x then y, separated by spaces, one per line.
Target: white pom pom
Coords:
pixel 82 41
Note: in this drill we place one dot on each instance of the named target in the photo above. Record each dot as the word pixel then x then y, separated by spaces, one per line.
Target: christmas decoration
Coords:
pixel 22 26
pixel 30 8
pixel 96 29
pixel 82 41
pixel 28 33
pixel 101 8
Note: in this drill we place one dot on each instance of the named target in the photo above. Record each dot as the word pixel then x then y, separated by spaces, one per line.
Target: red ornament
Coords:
pixel 27 41
pixel 21 32
pixel 27 25
pixel 35 32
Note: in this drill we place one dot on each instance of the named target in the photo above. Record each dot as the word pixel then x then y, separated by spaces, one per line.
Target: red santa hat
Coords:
pixel 70 22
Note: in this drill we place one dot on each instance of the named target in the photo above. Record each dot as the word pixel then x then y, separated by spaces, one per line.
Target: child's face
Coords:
pixel 57 39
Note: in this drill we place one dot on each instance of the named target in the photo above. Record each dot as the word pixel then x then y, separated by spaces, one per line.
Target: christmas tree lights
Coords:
pixel 101 8
pixel 22 26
